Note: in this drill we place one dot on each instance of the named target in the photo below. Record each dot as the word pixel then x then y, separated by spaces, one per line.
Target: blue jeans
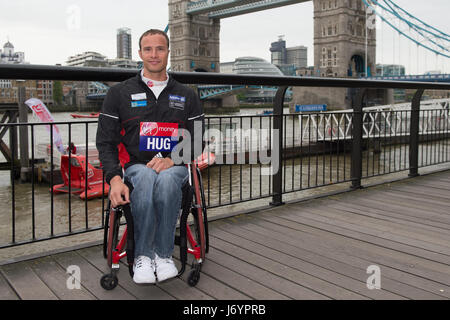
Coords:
pixel 155 205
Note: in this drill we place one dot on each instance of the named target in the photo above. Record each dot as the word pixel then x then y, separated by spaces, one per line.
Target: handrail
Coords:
pixel 45 72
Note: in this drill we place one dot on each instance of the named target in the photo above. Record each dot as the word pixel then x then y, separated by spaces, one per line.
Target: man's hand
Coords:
pixel 119 193
pixel 160 164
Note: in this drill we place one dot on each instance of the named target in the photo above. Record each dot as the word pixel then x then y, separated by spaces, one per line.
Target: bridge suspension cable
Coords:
pixel 411 27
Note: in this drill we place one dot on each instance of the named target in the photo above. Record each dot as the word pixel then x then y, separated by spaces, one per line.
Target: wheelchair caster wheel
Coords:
pixel 193 278
pixel 194 275
pixel 109 281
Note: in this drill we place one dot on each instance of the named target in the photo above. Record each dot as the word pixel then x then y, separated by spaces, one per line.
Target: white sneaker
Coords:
pixel 144 270
pixel 165 268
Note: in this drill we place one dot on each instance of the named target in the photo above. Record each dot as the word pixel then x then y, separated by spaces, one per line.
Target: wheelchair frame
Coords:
pixel 193 201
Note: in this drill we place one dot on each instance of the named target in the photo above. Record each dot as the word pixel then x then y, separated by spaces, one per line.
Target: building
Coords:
pixel 389 70
pixel 123 63
pixel 392 70
pixel 45 91
pixel 226 67
pixel 340 39
pixel 9 88
pixel 288 60
pixel 9 94
pixel 253 66
pixel 7 55
pixel 194 41
pixel 87 59
pixel 124 43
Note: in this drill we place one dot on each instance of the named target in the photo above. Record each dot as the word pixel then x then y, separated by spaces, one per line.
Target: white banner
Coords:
pixel 40 109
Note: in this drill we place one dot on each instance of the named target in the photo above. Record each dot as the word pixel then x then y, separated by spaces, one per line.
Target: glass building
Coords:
pixel 259 67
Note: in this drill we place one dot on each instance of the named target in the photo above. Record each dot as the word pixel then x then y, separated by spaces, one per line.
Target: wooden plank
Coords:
pixel 311 247
pixel 26 283
pixel 357 244
pixel 436 184
pixel 385 197
pixel 181 290
pixel 336 227
pixel 383 217
pixel 6 292
pixel 376 227
pixel 415 190
pixel 94 255
pixel 241 283
pixel 406 211
pixel 211 286
pixel 435 228
pixel 394 241
pixel 214 288
pixel 373 208
pixel 90 277
pixel 337 267
pixel 282 280
pixel 424 198
pixel 237 236
pixel 56 279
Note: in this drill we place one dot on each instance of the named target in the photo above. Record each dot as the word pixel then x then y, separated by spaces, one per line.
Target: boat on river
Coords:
pixel 91 115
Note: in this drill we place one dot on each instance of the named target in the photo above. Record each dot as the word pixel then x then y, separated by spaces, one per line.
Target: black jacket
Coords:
pixel 131 102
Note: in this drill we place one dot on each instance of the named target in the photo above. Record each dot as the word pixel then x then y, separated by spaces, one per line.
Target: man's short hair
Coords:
pixel 152 32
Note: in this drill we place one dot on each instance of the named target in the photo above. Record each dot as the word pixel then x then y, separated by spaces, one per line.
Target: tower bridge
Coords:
pixel 344 43
pixel 340 42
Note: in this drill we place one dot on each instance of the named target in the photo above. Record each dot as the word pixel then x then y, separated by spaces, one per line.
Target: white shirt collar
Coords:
pixel 153 83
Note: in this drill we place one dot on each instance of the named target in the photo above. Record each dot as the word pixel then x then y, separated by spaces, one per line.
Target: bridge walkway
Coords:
pixel 317 249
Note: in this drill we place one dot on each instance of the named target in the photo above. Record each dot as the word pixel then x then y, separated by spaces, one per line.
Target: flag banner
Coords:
pixel 40 110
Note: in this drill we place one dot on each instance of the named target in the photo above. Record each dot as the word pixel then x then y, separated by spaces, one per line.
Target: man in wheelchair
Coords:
pixel 138 128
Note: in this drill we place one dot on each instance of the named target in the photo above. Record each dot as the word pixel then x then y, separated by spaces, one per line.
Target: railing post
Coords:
pixel 357 139
pixel 277 176
pixel 23 135
pixel 414 134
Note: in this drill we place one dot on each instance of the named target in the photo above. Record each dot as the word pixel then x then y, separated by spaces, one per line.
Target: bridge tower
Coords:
pixel 194 39
pixel 340 50
pixel 340 39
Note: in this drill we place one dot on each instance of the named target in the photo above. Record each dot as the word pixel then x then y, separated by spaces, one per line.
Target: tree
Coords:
pixel 57 92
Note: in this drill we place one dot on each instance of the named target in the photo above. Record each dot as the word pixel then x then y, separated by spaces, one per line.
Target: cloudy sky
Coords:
pixel 50 31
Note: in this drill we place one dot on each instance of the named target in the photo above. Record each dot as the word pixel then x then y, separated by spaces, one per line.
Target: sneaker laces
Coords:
pixel 140 261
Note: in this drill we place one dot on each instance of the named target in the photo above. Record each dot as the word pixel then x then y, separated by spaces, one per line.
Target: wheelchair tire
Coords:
pixel 105 235
pixel 197 212
pixel 109 281
pixel 113 234
pixel 193 278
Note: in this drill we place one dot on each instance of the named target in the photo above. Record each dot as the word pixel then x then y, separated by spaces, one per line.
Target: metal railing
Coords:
pixel 351 149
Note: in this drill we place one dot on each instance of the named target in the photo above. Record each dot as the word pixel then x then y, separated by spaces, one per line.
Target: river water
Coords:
pixel 222 184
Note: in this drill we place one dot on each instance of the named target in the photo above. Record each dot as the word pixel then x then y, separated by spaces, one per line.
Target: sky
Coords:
pixel 50 31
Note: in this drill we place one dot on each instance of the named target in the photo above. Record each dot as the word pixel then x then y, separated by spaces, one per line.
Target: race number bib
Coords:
pixel 158 136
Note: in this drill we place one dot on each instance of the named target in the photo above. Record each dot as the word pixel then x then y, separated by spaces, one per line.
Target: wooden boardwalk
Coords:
pixel 318 249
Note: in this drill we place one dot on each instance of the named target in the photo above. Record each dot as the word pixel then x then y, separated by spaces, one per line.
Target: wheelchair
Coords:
pixel 192 237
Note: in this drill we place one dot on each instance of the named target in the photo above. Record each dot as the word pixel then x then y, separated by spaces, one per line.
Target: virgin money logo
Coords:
pixel 165 129
pixel 149 129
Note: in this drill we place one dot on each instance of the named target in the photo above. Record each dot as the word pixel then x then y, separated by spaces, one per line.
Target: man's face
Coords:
pixel 154 54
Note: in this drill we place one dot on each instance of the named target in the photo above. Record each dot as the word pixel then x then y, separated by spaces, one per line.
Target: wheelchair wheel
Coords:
pixel 194 275
pixel 113 235
pixel 109 281
pixel 198 227
pixel 105 231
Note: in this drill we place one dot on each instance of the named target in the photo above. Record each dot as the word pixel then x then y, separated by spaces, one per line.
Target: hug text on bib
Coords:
pixel 158 136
